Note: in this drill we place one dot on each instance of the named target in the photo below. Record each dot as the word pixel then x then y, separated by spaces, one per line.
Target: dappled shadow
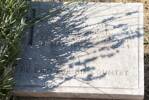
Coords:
pixel 72 42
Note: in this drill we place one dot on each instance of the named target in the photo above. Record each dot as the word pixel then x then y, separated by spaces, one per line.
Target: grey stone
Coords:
pixel 87 50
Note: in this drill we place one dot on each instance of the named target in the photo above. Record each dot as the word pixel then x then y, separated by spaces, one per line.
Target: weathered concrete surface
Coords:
pixel 88 50
pixel 48 98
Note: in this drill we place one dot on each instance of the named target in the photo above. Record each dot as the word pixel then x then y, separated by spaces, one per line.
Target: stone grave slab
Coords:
pixel 86 50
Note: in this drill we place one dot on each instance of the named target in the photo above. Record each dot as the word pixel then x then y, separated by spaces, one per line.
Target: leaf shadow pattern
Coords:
pixel 68 43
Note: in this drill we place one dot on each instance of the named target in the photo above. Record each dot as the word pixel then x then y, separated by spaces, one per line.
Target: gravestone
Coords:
pixel 84 50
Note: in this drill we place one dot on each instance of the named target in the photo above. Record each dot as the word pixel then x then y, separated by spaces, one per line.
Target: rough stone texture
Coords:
pixel 47 98
pixel 88 50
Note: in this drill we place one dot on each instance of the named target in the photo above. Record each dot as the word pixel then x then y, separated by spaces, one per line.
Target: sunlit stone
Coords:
pixel 87 50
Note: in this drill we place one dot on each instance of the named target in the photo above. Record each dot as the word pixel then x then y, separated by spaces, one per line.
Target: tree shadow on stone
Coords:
pixel 66 43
